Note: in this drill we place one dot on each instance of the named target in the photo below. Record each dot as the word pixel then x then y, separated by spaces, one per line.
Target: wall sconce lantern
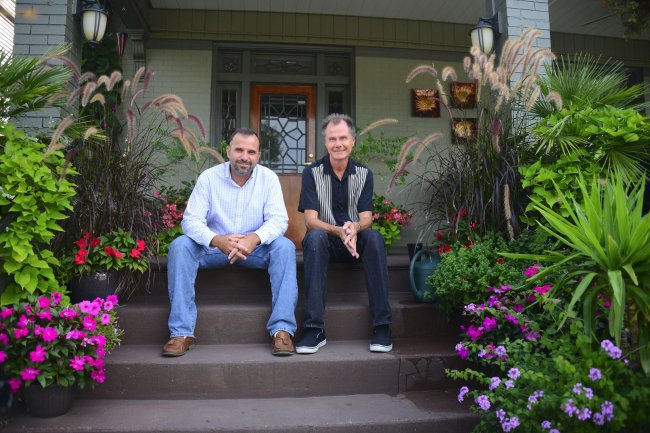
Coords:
pixel 94 18
pixel 485 33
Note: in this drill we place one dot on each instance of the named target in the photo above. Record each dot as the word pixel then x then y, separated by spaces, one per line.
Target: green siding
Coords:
pixel 249 26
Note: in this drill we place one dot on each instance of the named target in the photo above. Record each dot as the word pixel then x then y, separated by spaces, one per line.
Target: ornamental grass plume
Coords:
pixel 45 341
pixel 482 175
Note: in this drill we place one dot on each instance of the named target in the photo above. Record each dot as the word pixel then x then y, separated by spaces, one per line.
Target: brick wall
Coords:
pixel 40 26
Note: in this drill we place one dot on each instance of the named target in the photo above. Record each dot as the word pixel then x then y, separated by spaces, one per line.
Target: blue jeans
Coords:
pixel 186 257
pixel 320 249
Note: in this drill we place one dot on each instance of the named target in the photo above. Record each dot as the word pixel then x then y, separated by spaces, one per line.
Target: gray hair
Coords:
pixel 335 119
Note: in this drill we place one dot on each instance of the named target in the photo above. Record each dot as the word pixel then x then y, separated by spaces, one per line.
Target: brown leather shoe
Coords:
pixel 282 344
pixel 177 346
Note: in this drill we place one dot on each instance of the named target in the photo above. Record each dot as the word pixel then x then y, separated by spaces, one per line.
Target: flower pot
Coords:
pixel 413 248
pixel 54 400
pixel 423 264
pixel 95 285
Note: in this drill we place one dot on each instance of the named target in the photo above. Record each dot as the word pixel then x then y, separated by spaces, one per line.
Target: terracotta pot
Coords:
pixel 54 400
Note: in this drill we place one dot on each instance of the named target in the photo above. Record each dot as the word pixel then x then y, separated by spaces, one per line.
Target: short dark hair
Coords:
pixel 335 119
pixel 245 132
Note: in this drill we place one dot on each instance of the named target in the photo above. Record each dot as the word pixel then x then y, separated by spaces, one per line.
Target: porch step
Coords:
pixel 250 371
pixel 429 411
pixel 341 277
pixel 231 318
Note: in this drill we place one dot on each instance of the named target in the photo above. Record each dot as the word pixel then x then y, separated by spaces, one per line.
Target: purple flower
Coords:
pixel 494 382
pixel 594 374
pixel 512 319
pixel 500 351
pixel 461 395
pixel 584 414
pixel 482 353
pixel 554 431
pixel 514 373
pixel 570 409
pixel 510 424
pixel 501 414
pixel 589 393
pixel 577 388
pixel 546 425
pixel 461 351
pixel 483 401
pixel 470 307
pixel 598 418
pixel 607 408
pixel 611 349
pixel 509 384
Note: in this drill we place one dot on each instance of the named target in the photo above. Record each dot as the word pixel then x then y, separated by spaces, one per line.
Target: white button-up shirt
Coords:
pixel 218 206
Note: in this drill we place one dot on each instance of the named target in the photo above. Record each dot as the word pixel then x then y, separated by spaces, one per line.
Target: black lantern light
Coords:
pixel 94 17
pixel 485 33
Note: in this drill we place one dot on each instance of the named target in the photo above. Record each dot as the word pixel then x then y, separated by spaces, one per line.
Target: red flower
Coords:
pixel 82 243
pixel 141 245
pixel 463 212
pixel 443 248
pixel 440 235
pixel 501 260
pixel 468 244
pixel 135 253
pixel 94 242
pixel 112 252
pixel 473 226
pixel 80 257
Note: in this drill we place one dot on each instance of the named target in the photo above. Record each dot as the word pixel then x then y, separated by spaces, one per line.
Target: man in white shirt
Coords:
pixel 235 216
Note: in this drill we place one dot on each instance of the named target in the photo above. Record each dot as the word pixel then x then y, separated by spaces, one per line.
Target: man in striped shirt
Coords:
pixel 336 198
pixel 235 215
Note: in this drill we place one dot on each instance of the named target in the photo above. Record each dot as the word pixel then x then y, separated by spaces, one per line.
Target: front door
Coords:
pixel 285 119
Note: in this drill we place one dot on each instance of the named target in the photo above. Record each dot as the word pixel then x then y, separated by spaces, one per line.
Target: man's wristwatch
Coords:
pixel 359 225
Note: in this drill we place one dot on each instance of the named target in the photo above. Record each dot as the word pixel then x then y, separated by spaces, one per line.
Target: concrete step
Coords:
pixel 225 318
pixel 341 278
pixel 431 411
pixel 251 371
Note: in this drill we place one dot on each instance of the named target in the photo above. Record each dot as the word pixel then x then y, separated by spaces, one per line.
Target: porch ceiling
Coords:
pixel 585 17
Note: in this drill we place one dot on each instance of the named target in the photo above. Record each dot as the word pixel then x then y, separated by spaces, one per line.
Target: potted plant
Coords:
pixel 389 219
pixel 97 264
pixel 49 348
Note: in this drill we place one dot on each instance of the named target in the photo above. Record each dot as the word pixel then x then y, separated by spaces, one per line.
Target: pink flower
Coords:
pixel 607 303
pixel 14 384
pixel 112 299
pixel 37 355
pixel 46 315
pixel 4 339
pixel 75 334
pixel 518 308
pixel 55 298
pixel 474 333
pixel 29 374
pixel 6 312
pixel 89 323
pixel 68 313
pixel 77 363
pixel 105 319
pixel 43 303
pixel 533 270
pixel 99 339
pixel 3 356
pixel 98 376
pixel 461 351
pixel 108 305
pixel 49 334
pixel 542 290
pixel 20 332
pixel 489 323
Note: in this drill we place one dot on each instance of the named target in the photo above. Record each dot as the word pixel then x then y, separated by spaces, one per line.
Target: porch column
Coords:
pixel 40 26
